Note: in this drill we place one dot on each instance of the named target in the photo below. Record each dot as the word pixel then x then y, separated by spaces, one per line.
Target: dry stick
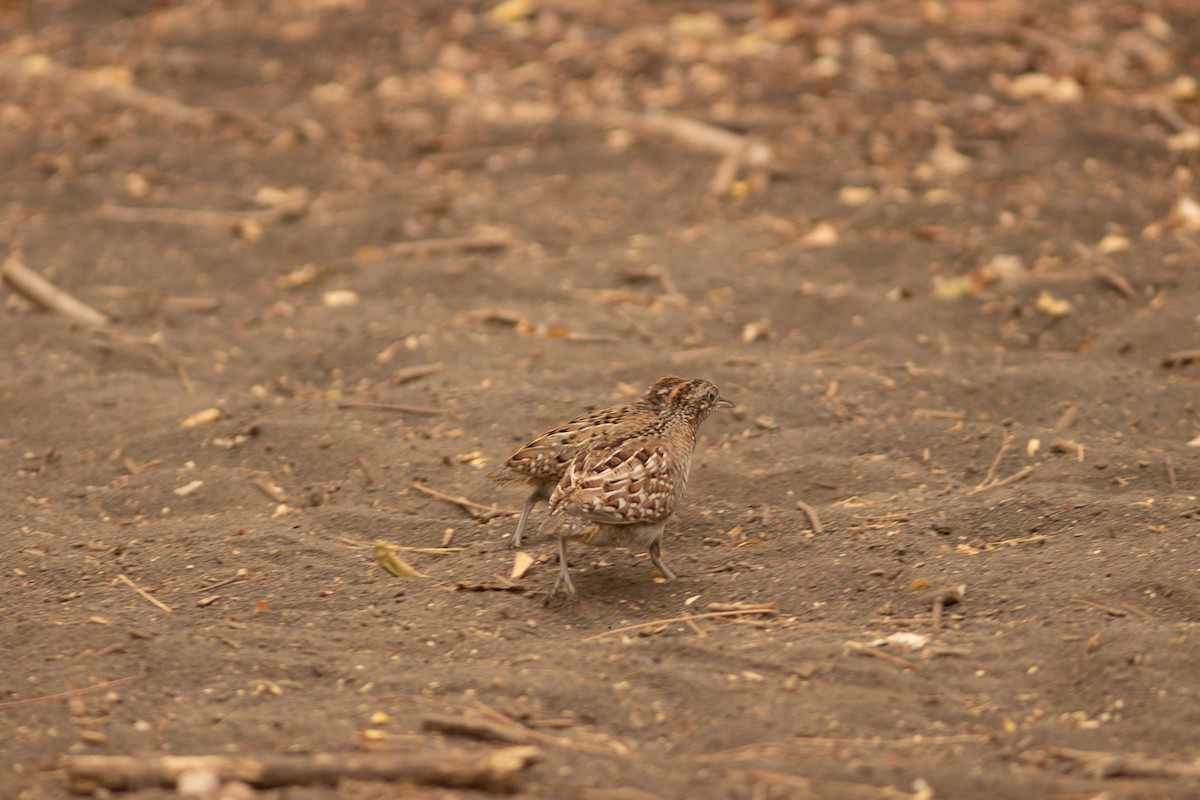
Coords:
pixel 1165 110
pixel 749 150
pixel 544 738
pixel 638 327
pixel 806 788
pixel 1170 465
pixel 408 374
pixel 473 726
pixel 389 407
pixel 366 468
pixel 144 593
pixel 49 698
pixel 1116 281
pixel 436 551
pixel 43 293
pixel 813 520
pixel 1115 611
pixel 494 770
pixel 269 489
pixel 132 96
pixel 1021 474
pixel 476 510
pixel 990 478
pixel 937 413
pixel 200 216
pixel 457 244
pixel 690 617
pixel 875 652
pixel 1132 765
pixel 1180 358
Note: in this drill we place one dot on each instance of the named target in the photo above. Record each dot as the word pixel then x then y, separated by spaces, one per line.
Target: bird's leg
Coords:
pixel 533 498
pixel 564 575
pixel 655 550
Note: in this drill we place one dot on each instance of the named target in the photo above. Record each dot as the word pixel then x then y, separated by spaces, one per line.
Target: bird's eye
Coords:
pixel 712 395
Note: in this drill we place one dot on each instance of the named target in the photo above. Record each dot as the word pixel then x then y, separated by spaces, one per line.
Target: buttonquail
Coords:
pixel 623 487
pixel 542 463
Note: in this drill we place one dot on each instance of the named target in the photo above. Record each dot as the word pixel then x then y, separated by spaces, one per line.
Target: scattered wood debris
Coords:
pixel 493 771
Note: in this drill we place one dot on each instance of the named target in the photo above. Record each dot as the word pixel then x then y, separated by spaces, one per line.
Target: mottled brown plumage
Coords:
pixel 623 487
pixel 542 463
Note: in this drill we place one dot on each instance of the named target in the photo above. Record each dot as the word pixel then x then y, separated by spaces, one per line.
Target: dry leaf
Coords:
pixel 340 298
pixel 1113 243
pixel 756 331
pixel 206 417
pixel 186 489
pixel 511 11
pixel 823 234
pixel 522 561
pixel 386 558
pixel 300 276
pixel 1052 306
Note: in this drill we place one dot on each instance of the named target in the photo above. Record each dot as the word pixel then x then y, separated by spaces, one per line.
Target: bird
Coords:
pixel 621 488
pixel 542 463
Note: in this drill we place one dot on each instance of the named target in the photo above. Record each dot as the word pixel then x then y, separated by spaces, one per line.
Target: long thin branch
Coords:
pixel 494 770
pixel 41 292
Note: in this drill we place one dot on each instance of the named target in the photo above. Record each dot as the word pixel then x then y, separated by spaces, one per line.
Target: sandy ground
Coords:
pixel 953 307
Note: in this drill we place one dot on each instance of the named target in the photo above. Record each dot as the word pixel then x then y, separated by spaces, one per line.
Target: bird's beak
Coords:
pixel 723 403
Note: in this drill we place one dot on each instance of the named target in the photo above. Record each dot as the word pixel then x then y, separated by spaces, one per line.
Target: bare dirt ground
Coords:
pixel 952 301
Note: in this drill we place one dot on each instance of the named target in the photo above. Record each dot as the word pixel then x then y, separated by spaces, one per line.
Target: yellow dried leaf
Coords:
pixel 953 288
pixel 1113 243
pixel 1052 306
pixel 206 417
pixel 823 234
pixel 391 563
pixel 300 276
pixel 919 584
pixel 340 298
pixel 511 11
pixel 522 561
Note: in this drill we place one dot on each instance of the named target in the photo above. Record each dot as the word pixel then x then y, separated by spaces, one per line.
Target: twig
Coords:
pixel 408 374
pixel 1132 765
pixel 270 489
pixel 1165 110
pixel 238 578
pixel 1115 611
pixel 1116 281
pixel 1019 475
pixel 49 698
pixel 132 96
pixel 616 750
pixel 750 150
pixel 1181 358
pixel 474 726
pixel 43 293
pixel 690 617
pixel 487 241
pixel 494 770
pixel 202 217
pixel 1170 465
pixel 475 510
pixel 990 478
pixel 366 468
pixel 937 413
pixel 389 407
pixel 638 328
pixel 875 652
pixel 125 579
pixel 813 520
pixel 435 551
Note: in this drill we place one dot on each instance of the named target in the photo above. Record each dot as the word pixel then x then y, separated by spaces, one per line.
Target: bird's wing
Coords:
pixel 630 483
pixel 549 455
